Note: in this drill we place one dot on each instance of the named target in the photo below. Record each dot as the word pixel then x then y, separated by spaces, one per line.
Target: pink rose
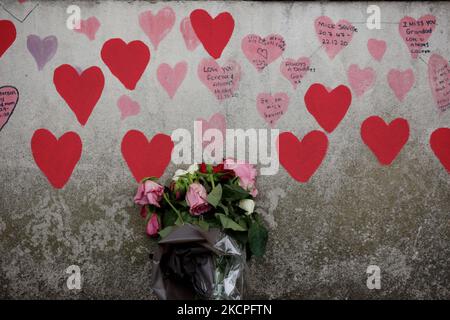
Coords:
pixel 153 225
pixel 149 192
pixel 196 199
pixel 246 173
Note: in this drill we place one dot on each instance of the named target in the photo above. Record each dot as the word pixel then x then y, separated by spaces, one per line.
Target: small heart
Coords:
pixel 271 108
pixel 262 51
pixel 376 48
pixel 301 159
pixel 81 91
pixel 89 27
pixel 439 79
pixel 216 121
pixel 189 36
pixel 146 158
pixel 333 36
pixel 415 33
pixel 440 144
pixel 56 158
pixel 127 107
pixel 328 107
pixel 7 35
pixel 42 50
pixel 401 82
pixel 127 62
pixel 385 140
pixel 156 27
pixel 215 33
pixel 360 80
pixel 221 81
pixel 171 79
pixel 9 96
pixel 295 70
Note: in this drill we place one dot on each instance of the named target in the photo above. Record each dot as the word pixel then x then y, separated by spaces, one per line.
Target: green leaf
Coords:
pixel 203 224
pixel 164 232
pixel 228 223
pixel 224 208
pixel 215 196
pixel 233 192
pixel 168 218
pixel 257 238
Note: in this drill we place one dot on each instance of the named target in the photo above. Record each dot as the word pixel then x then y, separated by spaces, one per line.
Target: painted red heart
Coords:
pixel 7 35
pixel 56 158
pixel 385 140
pixel 440 144
pixel 146 158
pixel 80 91
pixel 302 158
pixel 127 62
pixel 328 108
pixel 215 33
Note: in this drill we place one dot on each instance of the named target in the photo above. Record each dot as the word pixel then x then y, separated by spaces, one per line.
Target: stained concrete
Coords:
pixel 323 234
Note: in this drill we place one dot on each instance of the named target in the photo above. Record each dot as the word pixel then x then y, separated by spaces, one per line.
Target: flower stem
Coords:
pixel 212 181
pixel 171 205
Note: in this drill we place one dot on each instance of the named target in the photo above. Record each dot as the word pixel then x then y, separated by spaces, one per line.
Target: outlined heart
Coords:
pixel 295 70
pixel 80 91
pixel 190 38
pixel 42 50
pixel 401 82
pixel 262 51
pixel 89 27
pixel 56 158
pixel 415 33
pixel 9 96
pixel 376 48
pixel 7 35
pixel 360 80
pixel 146 158
pixel 157 26
pixel 333 36
pixel 216 121
pixel 440 144
pixel 221 81
pixel 171 78
pixel 328 107
pixel 271 108
pixel 439 80
pixel 301 159
pixel 214 34
pixel 385 140
pixel 127 62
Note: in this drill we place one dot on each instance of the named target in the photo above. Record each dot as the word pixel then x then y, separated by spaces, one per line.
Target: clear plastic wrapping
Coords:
pixel 192 263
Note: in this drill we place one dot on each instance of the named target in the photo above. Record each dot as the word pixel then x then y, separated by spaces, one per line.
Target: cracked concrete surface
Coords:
pixel 323 234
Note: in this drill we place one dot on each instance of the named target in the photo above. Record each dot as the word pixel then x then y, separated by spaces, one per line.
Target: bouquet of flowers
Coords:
pixel 206 228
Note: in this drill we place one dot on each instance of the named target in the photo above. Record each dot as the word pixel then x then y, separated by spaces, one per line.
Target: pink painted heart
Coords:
pixel 216 121
pixel 262 51
pixel 360 80
pixel 415 33
pixel 156 27
pixel 189 36
pixel 171 78
pixel 89 27
pixel 127 107
pixel 401 82
pixel 333 36
pixel 376 48
pixel 295 70
pixel 271 108
pixel 439 79
pixel 221 81
pixel 8 101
